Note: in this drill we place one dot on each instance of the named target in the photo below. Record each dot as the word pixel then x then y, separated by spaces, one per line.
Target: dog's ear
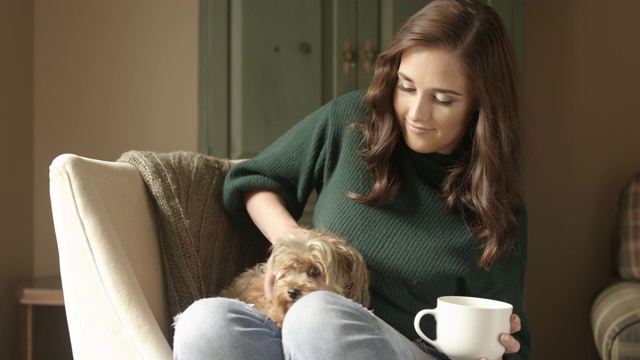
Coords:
pixel 356 276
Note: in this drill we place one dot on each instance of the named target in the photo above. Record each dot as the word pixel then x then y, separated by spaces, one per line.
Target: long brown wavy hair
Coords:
pixel 485 183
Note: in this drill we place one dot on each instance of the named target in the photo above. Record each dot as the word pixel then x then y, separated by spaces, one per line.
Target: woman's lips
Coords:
pixel 417 129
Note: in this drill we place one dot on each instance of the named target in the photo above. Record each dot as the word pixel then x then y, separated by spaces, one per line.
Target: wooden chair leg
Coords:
pixel 26 331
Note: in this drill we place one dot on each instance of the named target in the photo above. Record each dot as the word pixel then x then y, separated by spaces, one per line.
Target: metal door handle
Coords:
pixel 368 55
pixel 348 57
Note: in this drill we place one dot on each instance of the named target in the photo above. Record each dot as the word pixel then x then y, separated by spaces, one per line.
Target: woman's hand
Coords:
pixel 270 277
pixel 268 211
pixel 510 343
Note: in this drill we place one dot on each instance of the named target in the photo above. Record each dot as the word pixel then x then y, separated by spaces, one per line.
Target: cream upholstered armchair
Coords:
pixel 127 264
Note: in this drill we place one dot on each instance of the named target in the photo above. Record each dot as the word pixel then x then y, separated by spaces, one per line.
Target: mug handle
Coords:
pixel 416 324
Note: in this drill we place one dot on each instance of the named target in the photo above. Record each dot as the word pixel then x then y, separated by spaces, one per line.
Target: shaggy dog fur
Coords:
pixel 304 262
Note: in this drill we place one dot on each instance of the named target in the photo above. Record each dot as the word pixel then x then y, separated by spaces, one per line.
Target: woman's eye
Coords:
pixel 314 272
pixel 442 102
pixel 406 89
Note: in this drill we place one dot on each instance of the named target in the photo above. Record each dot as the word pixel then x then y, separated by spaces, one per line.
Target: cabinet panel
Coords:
pixel 276 69
pixel 213 68
pixel 340 44
pixel 368 46
pixel 393 13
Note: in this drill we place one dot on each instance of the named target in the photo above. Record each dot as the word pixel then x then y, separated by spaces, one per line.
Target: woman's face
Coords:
pixel 432 100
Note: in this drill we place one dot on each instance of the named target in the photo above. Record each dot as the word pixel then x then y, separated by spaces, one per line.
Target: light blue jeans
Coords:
pixel 321 325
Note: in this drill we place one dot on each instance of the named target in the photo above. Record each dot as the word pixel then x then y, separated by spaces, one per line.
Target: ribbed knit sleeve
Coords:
pixel 298 162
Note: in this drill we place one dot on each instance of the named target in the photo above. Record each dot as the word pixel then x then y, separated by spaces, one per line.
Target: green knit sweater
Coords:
pixel 415 249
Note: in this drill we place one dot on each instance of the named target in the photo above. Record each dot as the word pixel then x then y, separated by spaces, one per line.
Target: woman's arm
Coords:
pixel 295 165
pixel 269 212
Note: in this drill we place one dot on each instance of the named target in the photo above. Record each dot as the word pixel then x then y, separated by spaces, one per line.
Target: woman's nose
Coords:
pixel 419 109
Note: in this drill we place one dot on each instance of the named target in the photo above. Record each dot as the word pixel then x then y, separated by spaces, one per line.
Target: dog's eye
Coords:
pixel 314 272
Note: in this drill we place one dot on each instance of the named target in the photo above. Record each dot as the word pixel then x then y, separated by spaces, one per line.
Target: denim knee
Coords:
pixel 324 325
pixel 317 306
pixel 321 318
pixel 221 328
pixel 200 323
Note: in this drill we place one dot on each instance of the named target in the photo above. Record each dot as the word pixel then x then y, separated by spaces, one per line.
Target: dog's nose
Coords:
pixel 294 293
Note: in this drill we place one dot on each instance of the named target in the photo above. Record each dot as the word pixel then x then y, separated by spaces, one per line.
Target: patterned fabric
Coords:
pixel 615 319
pixel 628 252
pixel 201 250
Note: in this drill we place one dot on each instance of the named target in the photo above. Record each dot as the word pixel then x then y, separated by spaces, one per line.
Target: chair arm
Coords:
pixel 615 320
pixel 109 260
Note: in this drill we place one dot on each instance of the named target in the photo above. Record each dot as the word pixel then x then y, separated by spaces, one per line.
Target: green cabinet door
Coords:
pixel 264 65
pixel 276 70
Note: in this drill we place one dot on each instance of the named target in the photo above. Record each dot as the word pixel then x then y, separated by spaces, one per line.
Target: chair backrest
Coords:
pixel 627 241
pixel 109 260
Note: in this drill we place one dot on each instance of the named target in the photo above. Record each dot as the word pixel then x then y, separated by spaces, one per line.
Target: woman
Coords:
pixel 420 173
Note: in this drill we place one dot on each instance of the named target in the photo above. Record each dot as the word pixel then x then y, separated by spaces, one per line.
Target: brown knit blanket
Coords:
pixel 202 251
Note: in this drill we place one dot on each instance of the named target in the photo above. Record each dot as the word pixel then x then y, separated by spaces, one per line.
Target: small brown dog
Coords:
pixel 304 262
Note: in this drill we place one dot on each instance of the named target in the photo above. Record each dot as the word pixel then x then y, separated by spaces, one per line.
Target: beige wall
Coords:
pixel 110 76
pixel 16 154
pixel 582 88
pixel 91 77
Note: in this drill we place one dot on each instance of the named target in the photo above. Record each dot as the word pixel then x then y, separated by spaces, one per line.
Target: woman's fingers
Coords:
pixel 516 325
pixel 511 345
pixel 269 279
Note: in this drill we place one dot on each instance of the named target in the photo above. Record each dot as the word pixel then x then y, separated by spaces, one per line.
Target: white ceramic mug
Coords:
pixel 468 328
